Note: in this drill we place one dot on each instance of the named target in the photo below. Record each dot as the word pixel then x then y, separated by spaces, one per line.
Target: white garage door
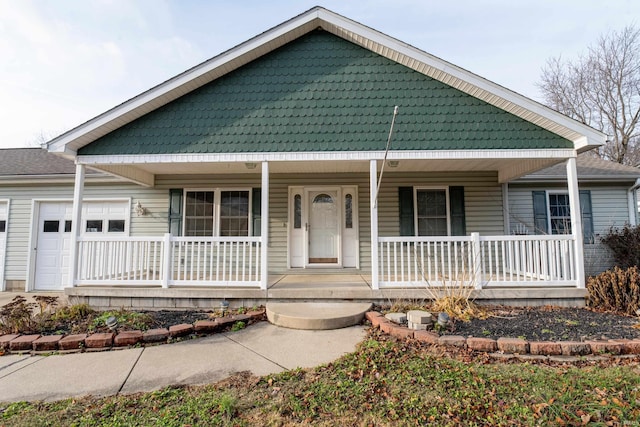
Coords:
pixel 3 238
pixel 54 236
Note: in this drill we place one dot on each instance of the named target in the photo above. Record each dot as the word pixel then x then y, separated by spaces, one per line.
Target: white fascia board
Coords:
pixel 325 156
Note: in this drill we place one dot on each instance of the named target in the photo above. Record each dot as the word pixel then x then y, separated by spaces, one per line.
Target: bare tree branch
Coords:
pixel 602 89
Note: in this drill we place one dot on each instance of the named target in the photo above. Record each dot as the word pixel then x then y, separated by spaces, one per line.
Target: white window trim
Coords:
pixel 415 206
pixel 549 193
pixel 217 196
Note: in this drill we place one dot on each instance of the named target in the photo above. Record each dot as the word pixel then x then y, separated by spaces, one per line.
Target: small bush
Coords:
pixel 16 316
pixel 127 320
pixel 615 290
pixel 75 312
pixel 625 245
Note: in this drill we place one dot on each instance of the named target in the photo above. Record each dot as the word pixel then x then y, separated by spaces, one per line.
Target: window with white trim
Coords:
pixel 559 213
pixel 217 213
pixel 432 212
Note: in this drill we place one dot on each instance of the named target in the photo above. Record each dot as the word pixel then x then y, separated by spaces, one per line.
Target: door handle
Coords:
pixel 306 226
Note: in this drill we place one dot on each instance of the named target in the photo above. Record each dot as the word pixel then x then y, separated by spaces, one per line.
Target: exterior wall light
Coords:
pixel 139 210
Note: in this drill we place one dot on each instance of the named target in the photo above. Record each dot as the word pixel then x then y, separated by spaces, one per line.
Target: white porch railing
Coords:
pixel 478 261
pixel 169 261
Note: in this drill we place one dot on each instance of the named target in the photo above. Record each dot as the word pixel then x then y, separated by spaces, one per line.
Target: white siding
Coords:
pixel 609 206
pixel 20 213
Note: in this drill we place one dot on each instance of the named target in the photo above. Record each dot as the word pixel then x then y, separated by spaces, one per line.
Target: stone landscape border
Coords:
pixel 506 348
pixel 61 344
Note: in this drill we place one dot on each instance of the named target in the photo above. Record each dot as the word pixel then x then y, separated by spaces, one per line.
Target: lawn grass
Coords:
pixel 384 382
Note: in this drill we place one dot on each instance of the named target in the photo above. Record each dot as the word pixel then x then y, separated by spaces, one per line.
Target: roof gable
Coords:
pixel 323 93
pixel 582 136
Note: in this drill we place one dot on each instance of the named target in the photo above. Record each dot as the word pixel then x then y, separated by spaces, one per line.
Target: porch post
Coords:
pixel 576 220
pixel 264 228
pixel 76 224
pixel 373 179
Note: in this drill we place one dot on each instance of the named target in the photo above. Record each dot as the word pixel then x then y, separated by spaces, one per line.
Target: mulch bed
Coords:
pixel 550 324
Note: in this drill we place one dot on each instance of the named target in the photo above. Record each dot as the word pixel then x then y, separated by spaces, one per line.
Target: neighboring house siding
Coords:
pixel 20 226
pixel 610 209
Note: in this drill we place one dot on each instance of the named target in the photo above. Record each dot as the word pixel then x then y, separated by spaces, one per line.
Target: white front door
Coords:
pixel 52 247
pixel 4 215
pixel 324 227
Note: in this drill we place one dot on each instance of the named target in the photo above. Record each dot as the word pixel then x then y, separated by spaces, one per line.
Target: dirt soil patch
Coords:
pixel 550 324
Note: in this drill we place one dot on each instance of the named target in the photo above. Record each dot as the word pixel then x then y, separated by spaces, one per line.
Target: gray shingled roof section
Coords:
pixel 33 161
pixel 589 166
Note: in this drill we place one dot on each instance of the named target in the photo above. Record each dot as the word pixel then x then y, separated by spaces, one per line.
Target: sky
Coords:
pixel 64 62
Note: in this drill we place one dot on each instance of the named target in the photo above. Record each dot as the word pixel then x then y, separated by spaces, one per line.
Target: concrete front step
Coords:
pixel 316 315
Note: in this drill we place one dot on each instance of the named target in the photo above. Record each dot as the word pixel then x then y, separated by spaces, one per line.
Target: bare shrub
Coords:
pixel 625 245
pixel 615 290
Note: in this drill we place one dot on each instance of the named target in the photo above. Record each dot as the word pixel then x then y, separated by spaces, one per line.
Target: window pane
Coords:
pixel 94 226
pixel 323 198
pixel 67 226
pixel 559 214
pixel 432 226
pixel 432 212
pixel 348 211
pixel 51 226
pixel 432 203
pixel 297 211
pixel 234 213
pixel 198 213
pixel 116 226
pixel 3 226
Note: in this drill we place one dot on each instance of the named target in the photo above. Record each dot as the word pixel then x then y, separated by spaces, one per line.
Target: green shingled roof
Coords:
pixel 322 93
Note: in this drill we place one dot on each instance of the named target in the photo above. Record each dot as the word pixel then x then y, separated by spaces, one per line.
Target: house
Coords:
pixel 538 204
pixel 271 161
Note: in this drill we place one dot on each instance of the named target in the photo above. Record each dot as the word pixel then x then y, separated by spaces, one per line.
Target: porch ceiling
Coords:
pixel 506 169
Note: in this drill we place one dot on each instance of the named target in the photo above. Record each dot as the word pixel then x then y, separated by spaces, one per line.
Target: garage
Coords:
pixel 53 242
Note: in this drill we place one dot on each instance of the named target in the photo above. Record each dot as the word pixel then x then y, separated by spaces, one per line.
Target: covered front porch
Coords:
pixel 474 260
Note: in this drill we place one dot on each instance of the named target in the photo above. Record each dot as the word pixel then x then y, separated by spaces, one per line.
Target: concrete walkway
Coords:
pixel 262 349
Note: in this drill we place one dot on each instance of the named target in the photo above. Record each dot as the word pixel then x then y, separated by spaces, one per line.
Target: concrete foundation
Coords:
pixel 307 288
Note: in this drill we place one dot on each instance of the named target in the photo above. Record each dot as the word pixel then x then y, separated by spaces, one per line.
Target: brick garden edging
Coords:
pixel 505 348
pixel 76 343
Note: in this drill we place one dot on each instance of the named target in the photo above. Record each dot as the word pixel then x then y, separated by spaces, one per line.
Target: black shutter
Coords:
pixel 587 216
pixel 540 212
pixel 175 211
pixel 256 211
pixel 456 204
pixel 405 201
